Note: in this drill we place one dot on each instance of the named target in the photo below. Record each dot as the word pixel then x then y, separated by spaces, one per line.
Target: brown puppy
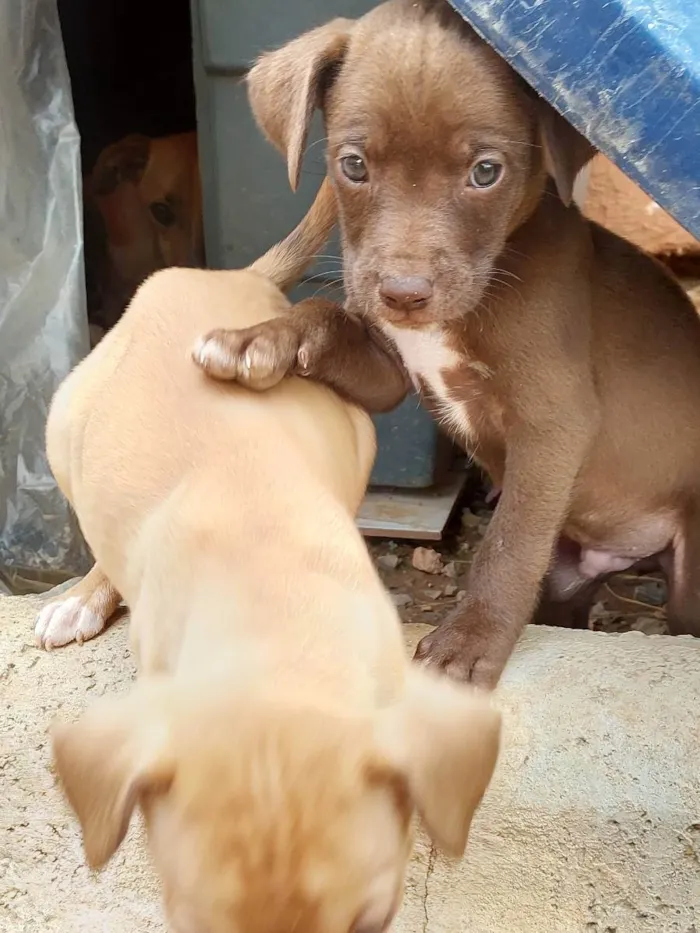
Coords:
pixel 278 739
pixel 537 338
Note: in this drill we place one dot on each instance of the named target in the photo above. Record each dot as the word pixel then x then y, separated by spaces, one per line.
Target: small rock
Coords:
pixel 649 625
pixel 465 547
pixel 450 589
pixel 389 561
pixel 427 560
pixel 426 608
pixel 432 594
pixel 401 600
pixel 469 519
pixel 460 596
pixel 601 619
pixel 652 592
pixel 450 570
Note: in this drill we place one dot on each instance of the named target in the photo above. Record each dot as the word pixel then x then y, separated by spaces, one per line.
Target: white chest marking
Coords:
pixel 425 354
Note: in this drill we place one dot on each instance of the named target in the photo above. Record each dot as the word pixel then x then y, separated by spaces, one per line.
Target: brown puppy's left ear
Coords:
pixel 566 151
pixel 116 752
pixel 286 86
pixel 443 739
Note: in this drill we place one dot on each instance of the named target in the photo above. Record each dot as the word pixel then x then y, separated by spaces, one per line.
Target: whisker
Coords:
pixel 514 252
pixel 331 286
pixel 507 273
pixel 317 142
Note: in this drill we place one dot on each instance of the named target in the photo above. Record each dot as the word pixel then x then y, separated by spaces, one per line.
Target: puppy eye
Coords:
pixel 485 174
pixel 354 168
pixel 162 213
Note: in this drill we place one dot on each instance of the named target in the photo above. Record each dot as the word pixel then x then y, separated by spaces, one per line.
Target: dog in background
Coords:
pixel 278 740
pixel 143 212
pixel 539 340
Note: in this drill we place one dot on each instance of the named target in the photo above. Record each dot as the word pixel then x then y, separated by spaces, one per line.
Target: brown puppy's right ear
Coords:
pixel 286 86
pixel 116 752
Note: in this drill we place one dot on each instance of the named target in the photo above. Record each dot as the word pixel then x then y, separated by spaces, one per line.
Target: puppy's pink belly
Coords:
pixel 595 563
pixel 617 548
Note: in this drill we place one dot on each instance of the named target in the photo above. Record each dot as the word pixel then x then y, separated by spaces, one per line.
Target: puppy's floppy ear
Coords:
pixel 566 151
pixel 116 752
pixel 443 738
pixel 124 160
pixel 286 86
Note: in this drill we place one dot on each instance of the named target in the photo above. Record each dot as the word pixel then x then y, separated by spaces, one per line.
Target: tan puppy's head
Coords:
pixel 265 816
pixel 437 149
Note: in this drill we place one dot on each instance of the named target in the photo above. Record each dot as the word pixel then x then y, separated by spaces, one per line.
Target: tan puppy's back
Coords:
pixel 142 414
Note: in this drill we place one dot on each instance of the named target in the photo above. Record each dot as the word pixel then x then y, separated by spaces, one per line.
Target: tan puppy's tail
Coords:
pixel 285 262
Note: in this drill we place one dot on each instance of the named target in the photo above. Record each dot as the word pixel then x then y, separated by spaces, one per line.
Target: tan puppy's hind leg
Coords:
pixel 79 614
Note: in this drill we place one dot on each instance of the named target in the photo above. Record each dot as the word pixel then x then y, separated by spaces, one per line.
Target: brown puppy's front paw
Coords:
pixel 257 357
pixel 464 653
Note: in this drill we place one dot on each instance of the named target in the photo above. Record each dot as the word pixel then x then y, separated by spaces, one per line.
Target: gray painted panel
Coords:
pixel 236 33
pixel 248 204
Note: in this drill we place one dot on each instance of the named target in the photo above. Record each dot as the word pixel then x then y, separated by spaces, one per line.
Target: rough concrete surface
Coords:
pixel 592 823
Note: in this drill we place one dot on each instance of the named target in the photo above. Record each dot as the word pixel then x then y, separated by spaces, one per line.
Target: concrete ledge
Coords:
pixel 592 823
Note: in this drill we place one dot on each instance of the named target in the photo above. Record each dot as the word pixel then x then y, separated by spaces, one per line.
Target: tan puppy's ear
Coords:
pixel 443 738
pixel 566 151
pixel 286 86
pixel 106 760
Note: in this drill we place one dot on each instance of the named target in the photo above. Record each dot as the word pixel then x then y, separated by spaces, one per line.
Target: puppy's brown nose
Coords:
pixel 405 292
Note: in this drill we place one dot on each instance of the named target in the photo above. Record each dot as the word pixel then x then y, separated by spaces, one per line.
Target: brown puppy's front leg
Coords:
pixel 78 614
pixel 508 569
pixel 318 339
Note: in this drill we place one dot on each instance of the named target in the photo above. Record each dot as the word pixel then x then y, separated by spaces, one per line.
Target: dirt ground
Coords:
pixel 628 603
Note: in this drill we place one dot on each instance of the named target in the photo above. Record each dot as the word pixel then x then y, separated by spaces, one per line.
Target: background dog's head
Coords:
pixel 263 814
pixel 143 209
pixel 437 149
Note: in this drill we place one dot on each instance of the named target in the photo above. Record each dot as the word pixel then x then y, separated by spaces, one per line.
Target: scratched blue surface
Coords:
pixel 626 73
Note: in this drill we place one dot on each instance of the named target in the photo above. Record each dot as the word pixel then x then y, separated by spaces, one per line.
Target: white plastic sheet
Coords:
pixel 43 320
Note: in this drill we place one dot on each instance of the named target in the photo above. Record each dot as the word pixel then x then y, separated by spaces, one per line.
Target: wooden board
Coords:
pixel 419 514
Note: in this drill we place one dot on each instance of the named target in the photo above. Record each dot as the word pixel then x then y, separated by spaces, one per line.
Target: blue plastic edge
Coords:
pixel 625 73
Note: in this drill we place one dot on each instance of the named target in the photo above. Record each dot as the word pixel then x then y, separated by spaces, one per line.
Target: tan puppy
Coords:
pixel 277 741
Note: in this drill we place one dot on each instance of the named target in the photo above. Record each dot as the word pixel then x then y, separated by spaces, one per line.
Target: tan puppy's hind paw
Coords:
pixel 67 620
